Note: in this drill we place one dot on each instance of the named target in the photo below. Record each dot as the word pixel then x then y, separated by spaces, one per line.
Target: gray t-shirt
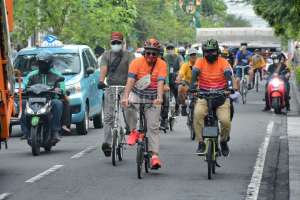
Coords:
pixel 119 76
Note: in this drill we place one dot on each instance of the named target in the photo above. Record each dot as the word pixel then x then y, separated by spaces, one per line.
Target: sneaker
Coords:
pixel 183 111
pixel 224 148
pixel 133 137
pixel 106 148
pixel 201 148
pixel 155 162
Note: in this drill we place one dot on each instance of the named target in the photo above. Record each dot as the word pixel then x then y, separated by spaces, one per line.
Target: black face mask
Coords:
pixel 211 58
pixel 44 67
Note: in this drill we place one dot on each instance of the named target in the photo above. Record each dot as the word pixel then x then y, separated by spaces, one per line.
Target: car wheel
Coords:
pixel 98 119
pixel 83 126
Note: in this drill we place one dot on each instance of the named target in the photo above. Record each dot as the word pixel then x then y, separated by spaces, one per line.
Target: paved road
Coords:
pixel 89 175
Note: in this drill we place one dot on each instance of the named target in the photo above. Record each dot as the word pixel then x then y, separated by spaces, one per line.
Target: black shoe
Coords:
pixel 249 87
pixel 266 109
pixel 163 125
pixel 106 148
pixel 224 148
pixel 201 148
pixel 183 111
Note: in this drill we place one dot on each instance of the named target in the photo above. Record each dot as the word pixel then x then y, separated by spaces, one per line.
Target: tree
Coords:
pixel 284 16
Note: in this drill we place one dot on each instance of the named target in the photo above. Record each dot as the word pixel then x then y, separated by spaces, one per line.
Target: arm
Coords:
pixel 103 73
pixel 103 67
pixel 195 73
pixel 228 76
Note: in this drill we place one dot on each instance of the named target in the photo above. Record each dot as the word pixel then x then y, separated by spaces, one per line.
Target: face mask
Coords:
pixel 171 52
pixel 116 47
pixel 276 61
pixel 211 58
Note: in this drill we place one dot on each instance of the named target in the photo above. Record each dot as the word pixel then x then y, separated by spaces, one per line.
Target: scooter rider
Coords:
pixel 280 68
pixel 48 76
pixel 212 73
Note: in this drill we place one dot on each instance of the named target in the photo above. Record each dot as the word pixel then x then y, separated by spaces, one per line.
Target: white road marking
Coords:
pixel 85 151
pixel 253 187
pixel 4 196
pixel 43 174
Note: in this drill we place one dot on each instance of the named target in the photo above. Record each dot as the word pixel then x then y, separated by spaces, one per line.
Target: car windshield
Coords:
pixel 65 63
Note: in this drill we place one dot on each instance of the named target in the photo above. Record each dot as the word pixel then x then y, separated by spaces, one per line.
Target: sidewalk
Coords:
pixel 293 126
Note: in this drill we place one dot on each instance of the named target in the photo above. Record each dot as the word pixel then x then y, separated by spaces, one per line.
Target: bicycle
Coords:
pixel 244 83
pixel 257 78
pixel 211 130
pixel 118 132
pixel 143 155
pixel 171 115
pixel 190 118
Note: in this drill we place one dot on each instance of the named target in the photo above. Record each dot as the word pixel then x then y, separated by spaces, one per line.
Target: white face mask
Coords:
pixel 116 47
pixel 276 61
pixel 171 52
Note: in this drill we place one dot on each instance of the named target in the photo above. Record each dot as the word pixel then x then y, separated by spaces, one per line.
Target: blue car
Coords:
pixel 78 65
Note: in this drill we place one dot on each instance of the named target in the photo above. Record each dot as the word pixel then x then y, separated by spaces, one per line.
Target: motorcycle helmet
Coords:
pixel 44 60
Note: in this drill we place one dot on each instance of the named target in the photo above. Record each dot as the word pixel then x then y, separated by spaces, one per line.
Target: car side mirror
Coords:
pixel 90 70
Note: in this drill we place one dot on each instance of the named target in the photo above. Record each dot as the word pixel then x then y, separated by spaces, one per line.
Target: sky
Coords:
pixel 245 11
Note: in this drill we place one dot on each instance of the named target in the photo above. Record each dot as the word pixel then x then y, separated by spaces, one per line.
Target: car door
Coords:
pixel 87 82
pixel 92 84
pixel 95 79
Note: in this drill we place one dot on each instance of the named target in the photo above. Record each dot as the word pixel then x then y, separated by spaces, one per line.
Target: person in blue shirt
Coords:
pixel 242 59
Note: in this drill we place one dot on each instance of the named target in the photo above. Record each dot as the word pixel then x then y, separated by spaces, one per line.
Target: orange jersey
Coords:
pixel 139 68
pixel 212 75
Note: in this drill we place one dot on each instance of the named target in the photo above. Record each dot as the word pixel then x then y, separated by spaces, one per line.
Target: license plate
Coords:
pixel 37 100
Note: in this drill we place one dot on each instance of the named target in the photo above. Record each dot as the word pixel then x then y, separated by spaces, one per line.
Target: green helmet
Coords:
pixel 210 44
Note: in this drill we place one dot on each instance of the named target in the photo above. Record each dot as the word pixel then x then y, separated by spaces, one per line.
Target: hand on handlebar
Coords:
pixel 125 102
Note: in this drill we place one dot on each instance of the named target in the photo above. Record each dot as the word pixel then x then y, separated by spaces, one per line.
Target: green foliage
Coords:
pixel 284 16
pixel 297 74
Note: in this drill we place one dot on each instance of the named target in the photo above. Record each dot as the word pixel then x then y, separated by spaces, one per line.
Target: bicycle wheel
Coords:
pixel 147 157
pixel 114 147
pixel 209 159
pixel 120 149
pixel 139 160
pixel 214 157
pixel 256 81
pixel 244 91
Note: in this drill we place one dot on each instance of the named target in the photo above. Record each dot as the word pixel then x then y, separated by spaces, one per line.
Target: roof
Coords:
pixel 256 37
pixel 63 49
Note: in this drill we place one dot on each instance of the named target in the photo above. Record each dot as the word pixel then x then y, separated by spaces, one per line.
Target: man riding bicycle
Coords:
pixel 174 62
pixel 212 73
pixel 257 63
pixel 145 84
pixel 184 79
pixel 114 66
pixel 242 60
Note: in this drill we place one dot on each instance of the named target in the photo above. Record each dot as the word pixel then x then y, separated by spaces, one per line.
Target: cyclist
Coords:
pixel 257 63
pixel 279 67
pixel 181 52
pixel 174 62
pixel 243 57
pixel 145 84
pixel 212 73
pixel 114 65
pixel 184 79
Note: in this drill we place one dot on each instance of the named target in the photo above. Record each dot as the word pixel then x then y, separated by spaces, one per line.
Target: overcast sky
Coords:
pixel 245 11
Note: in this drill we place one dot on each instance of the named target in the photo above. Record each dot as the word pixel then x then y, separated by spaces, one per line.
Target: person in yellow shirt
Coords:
pixel 257 62
pixel 184 79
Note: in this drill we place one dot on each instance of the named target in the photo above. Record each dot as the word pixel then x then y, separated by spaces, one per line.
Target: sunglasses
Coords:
pixel 151 53
pixel 212 52
pixel 170 48
pixel 193 55
pixel 116 42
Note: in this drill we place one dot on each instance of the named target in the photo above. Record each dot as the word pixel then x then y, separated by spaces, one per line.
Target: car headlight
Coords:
pixel 73 89
pixel 29 110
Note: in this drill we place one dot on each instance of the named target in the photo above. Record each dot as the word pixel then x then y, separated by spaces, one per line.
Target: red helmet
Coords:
pixel 152 44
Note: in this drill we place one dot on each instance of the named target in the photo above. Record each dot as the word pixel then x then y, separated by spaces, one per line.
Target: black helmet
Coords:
pixel 211 44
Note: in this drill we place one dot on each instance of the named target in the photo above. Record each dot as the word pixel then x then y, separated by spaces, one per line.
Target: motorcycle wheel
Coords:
pixel 276 105
pixel 35 143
